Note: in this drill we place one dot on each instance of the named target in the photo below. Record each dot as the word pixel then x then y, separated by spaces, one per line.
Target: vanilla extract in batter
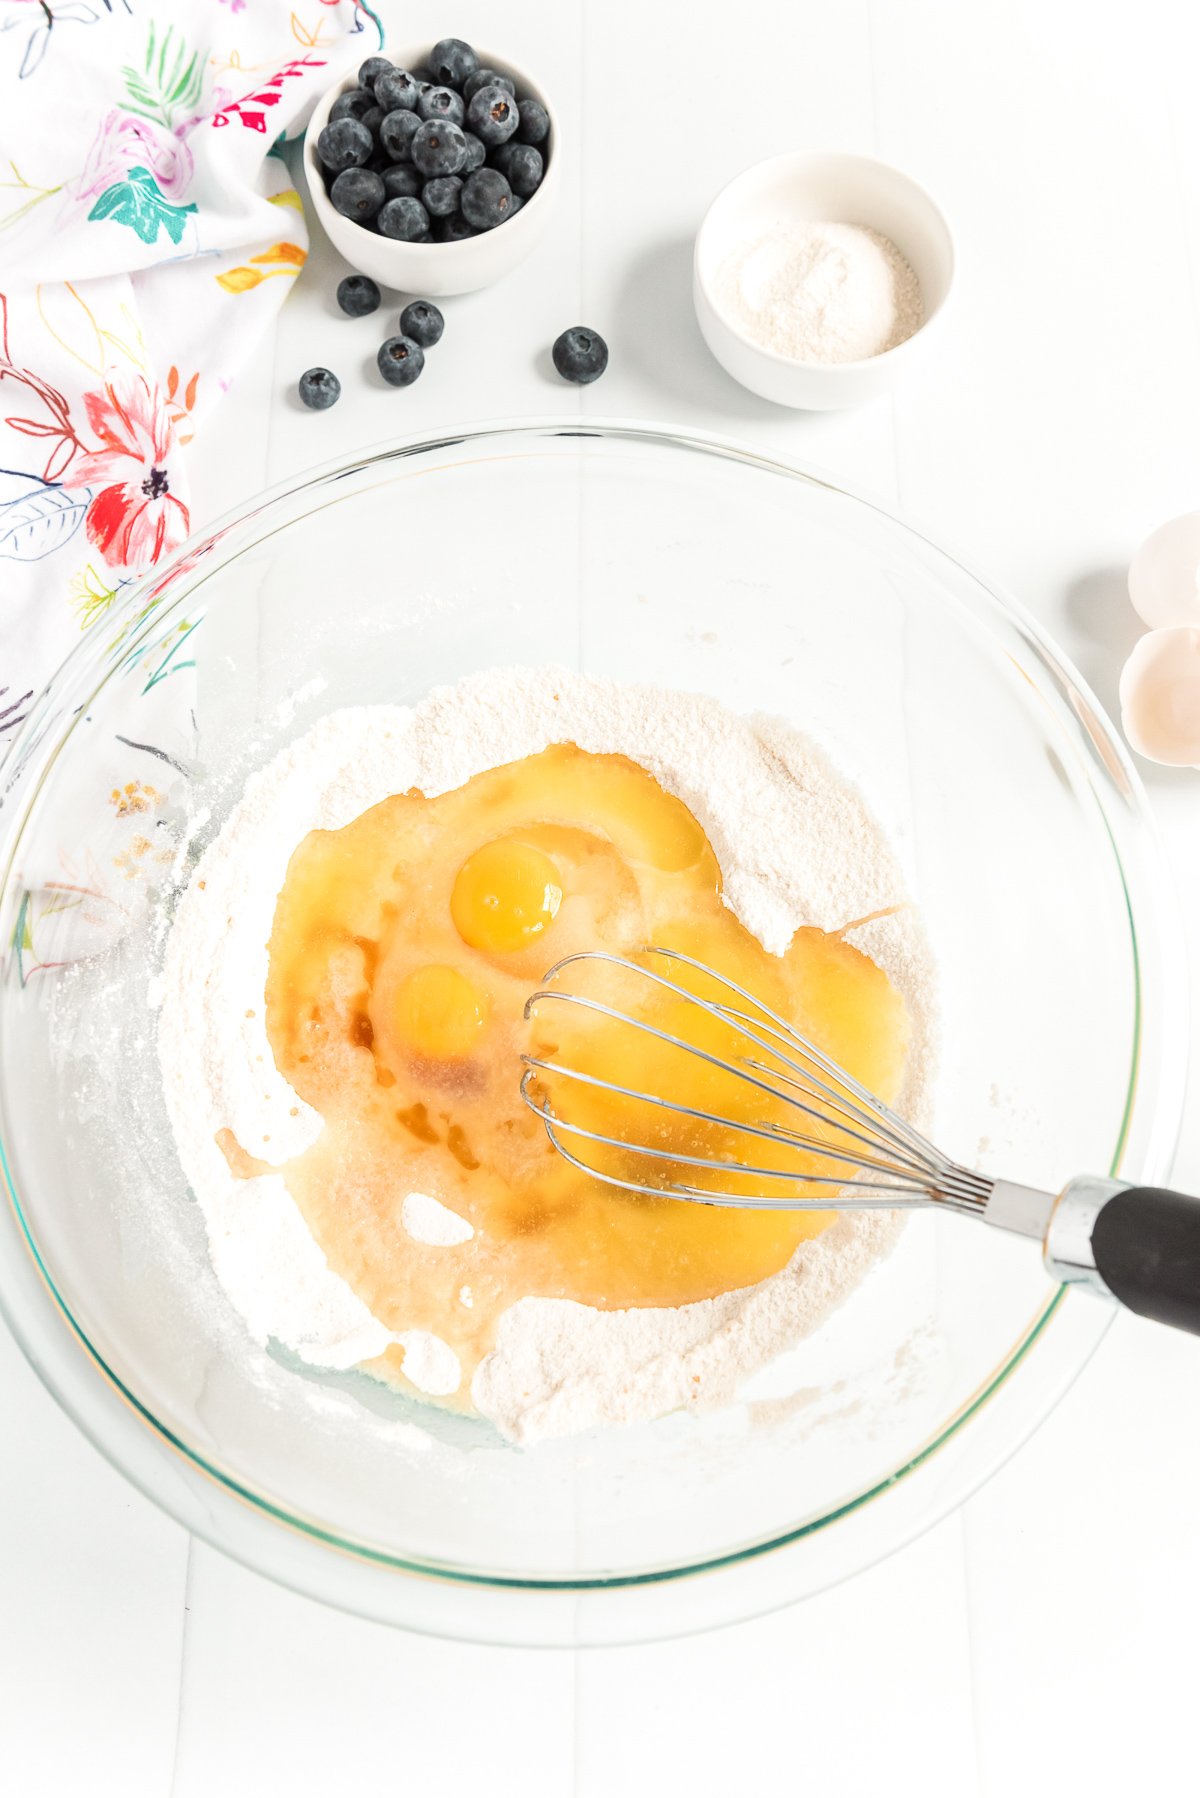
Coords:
pixel 403 950
pixel 796 852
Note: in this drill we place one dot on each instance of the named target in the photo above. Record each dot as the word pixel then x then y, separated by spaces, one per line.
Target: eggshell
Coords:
pixel 1160 697
pixel 1164 576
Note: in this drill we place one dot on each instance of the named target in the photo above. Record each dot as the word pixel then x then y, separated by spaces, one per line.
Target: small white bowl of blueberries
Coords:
pixel 434 172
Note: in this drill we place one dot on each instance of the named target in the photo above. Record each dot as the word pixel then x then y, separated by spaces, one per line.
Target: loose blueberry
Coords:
pixel 372 69
pixel 404 219
pixel 486 78
pixel 358 194
pixel 442 197
pixel 486 199
pixel 357 295
pixel 373 119
pixel 453 230
pixel 402 182
pixel 344 144
pixel 441 103
pixel 439 148
pixel 400 361
pixel 423 322
pixel 476 154
pixel 396 91
pixel 352 105
pixel 396 133
pixel 492 114
pixel 524 171
pixel 580 355
pixel 535 123
pixel 319 389
pixel 452 61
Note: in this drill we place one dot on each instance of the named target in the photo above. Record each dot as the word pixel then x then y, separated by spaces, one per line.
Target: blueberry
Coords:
pixel 476 154
pixel 319 389
pixel 580 355
pixel 405 219
pixel 441 103
pixel 373 119
pixel 524 171
pixel 452 61
pixel 453 229
pixel 351 105
pixel 423 76
pixel 486 199
pixel 344 144
pixel 396 134
pixel 402 182
pixel 439 148
pixel 535 123
pixel 486 78
pixel 396 91
pixel 492 114
pixel 442 197
pixel 515 205
pixel 400 361
pixel 358 194
pixel 357 295
pixel 422 322
pixel 501 156
pixel 372 69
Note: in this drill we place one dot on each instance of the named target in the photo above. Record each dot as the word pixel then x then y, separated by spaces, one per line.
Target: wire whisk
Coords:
pixel 738 1108
pixel 862 1152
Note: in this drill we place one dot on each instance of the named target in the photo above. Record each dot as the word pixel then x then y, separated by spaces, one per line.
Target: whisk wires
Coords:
pixel 841 1145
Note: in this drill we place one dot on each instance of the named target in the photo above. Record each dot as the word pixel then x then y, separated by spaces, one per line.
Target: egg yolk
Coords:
pixel 505 896
pixel 439 1012
pixel 404 949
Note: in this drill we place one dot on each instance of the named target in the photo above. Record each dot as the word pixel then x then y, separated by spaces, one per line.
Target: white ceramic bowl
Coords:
pixel 439 268
pixel 853 190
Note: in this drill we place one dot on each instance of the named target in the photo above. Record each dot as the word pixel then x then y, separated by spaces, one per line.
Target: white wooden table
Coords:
pixel 1042 1639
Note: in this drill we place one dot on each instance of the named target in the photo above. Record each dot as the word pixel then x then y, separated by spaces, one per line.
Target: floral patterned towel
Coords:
pixel 148 234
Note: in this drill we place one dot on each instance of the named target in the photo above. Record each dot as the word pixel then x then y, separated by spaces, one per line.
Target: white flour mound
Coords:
pixel 821 292
pixel 796 847
pixel 427 1220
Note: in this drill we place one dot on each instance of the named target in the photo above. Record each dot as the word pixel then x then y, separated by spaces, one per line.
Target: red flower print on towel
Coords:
pixel 135 518
pixel 249 109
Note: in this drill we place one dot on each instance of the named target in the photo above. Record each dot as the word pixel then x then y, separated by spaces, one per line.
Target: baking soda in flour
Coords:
pixel 796 846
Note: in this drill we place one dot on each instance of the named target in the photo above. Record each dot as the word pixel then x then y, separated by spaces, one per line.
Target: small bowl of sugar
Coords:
pixel 818 278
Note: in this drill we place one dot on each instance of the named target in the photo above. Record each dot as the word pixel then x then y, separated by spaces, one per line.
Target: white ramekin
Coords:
pixel 853 190
pixel 435 269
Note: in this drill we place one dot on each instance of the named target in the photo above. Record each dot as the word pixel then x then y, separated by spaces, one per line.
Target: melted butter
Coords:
pixel 403 950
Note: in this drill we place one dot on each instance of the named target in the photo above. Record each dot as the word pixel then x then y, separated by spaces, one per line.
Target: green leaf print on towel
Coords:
pixel 168 82
pixel 138 203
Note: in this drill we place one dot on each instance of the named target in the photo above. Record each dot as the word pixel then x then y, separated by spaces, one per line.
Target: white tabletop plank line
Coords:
pixel 184 1647
pixel 91 1584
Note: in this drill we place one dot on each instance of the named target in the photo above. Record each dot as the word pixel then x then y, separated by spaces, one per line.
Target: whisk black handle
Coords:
pixel 1146 1242
pixel 1139 1244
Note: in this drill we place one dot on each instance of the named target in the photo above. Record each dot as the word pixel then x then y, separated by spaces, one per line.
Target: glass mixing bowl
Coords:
pixel 633 553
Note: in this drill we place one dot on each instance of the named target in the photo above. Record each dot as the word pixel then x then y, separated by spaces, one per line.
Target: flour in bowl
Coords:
pixel 796 846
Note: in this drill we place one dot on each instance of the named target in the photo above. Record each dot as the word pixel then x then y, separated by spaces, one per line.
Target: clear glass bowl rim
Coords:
pixel 92 660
